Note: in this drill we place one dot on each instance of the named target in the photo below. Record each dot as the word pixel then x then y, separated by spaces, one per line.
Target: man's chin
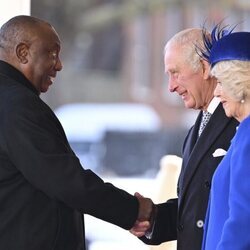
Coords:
pixel 44 89
pixel 188 105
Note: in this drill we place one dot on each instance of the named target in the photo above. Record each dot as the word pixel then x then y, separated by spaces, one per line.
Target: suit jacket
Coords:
pixel 228 214
pixel 183 218
pixel 44 190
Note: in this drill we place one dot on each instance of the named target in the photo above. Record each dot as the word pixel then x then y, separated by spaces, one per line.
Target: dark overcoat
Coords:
pixel 183 218
pixel 44 190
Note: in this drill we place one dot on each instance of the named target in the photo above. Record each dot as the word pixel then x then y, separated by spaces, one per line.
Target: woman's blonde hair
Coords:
pixel 234 76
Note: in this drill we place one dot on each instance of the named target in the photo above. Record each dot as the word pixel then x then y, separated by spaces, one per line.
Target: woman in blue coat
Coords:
pixel 228 213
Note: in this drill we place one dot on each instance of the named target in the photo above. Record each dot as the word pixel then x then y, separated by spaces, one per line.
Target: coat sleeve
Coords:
pixel 36 146
pixel 165 223
pixel 235 233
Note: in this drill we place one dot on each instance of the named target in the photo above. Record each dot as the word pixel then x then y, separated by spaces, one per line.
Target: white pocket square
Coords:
pixel 219 152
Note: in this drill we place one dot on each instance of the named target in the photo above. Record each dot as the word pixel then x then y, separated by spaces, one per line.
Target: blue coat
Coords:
pixel 228 214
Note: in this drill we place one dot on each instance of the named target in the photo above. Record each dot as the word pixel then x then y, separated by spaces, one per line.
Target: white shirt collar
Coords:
pixel 213 105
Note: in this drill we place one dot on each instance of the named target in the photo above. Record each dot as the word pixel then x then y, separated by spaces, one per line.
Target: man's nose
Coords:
pixel 58 65
pixel 172 86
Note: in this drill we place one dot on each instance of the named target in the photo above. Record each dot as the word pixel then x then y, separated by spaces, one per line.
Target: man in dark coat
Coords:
pixel 189 76
pixel 44 190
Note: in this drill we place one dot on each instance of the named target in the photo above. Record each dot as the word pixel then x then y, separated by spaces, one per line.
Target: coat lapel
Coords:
pixel 191 141
pixel 195 152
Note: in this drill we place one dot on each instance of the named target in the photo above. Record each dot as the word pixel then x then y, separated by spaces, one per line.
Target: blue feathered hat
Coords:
pixel 224 44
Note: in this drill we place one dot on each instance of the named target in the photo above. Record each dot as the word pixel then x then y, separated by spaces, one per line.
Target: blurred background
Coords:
pixel 112 96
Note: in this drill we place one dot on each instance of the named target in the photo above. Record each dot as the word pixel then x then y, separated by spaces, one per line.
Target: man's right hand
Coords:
pixel 146 216
pixel 140 228
pixel 146 207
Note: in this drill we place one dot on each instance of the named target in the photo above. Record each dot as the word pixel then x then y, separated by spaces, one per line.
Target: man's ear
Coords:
pixel 22 52
pixel 205 69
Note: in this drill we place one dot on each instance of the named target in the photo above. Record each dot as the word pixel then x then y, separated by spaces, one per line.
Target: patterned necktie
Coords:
pixel 204 120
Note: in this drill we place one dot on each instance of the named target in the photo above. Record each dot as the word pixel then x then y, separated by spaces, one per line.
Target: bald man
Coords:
pixel 44 190
pixel 182 219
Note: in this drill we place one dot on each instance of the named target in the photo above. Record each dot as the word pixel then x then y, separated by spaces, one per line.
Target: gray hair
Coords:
pixel 17 29
pixel 188 40
pixel 234 76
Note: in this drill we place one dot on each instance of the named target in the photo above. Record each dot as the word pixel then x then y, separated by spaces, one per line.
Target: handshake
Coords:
pixel 146 216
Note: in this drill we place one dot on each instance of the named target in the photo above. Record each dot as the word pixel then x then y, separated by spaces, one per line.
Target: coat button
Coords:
pixel 180 227
pixel 207 184
pixel 200 223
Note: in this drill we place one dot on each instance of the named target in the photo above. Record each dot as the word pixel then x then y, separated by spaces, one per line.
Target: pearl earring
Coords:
pixel 242 101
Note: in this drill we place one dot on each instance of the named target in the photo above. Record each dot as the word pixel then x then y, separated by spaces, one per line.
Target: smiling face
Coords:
pixel 233 87
pixel 43 61
pixel 194 86
pixel 232 107
pixel 36 47
pixel 37 56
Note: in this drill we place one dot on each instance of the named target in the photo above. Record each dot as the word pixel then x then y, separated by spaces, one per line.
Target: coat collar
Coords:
pixel 11 72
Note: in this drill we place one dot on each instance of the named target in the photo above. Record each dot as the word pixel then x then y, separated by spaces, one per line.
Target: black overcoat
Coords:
pixel 44 190
pixel 183 218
